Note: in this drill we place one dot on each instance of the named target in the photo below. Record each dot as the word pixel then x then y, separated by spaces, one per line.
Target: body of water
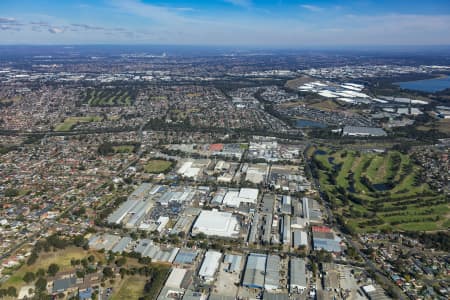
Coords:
pixel 301 123
pixel 427 85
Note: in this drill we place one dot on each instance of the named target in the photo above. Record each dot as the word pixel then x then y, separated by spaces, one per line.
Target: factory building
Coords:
pixel 272 280
pixel 255 271
pixel 122 245
pixel 132 211
pixel 286 230
pixel 210 265
pixel 297 275
pixel 362 131
pixel 300 238
pixel 234 262
pixel 325 239
pixel 215 223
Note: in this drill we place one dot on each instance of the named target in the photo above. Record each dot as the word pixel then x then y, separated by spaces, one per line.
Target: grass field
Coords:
pixel 70 122
pixel 109 96
pixel 131 288
pixel 157 166
pixel 61 257
pixel 374 191
pixel 441 125
pixel 327 105
pixel 123 148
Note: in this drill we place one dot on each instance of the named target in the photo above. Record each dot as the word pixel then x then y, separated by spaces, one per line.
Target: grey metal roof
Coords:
pixel 268 203
pixel 122 244
pixel 255 270
pixel 286 229
pixel 234 261
pixel 297 272
pixel 269 296
pixel 267 228
pixel 273 271
pixel 373 131
pixel 60 285
pixel 186 256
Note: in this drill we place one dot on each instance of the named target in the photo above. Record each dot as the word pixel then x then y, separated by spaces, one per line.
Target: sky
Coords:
pixel 264 23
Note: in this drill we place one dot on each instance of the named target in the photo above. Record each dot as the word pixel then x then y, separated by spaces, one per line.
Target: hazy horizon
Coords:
pixel 243 23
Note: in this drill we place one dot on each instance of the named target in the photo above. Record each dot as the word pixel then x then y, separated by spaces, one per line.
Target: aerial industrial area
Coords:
pixel 221 176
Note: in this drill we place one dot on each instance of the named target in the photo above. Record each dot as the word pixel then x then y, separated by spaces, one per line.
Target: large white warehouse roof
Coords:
pixel 215 223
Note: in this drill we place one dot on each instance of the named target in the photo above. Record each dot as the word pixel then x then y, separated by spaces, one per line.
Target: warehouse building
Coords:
pixel 234 262
pixel 215 223
pixel 122 245
pixel 234 197
pixel 103 241
pixel 186 257
pixel 374 293
pixel 272 280
pixel 362 131
pixel 210 265
pixel 267 228
pixel 176 278
pixel 286 230
pixel 300 238
pixel 297 275
pixel 148 249
pixel 327 241
pixel 255 271
pixel 252 235
pixel 134 209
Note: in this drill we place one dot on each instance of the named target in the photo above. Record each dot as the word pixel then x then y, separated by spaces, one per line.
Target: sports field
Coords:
pixel 157 166
pixel 70 122
pixel 374 191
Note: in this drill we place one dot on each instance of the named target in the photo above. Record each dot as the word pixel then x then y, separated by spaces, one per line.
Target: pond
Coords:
pixel 381 187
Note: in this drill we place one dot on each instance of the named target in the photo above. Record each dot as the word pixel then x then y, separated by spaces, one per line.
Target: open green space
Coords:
pixel 157 166
pixel 70 122
pixel 123 148
pixel 373 191
pixel 116 96
pixel 61 257
pixel 131 288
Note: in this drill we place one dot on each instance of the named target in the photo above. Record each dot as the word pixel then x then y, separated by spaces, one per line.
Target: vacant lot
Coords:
pixel 157 166
pixel 61 258
pixel 115 96
pixel 131 288
pixel 70 122
pixel 374 191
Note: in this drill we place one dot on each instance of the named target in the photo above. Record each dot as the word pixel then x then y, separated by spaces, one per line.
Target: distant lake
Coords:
pixel 301 123
pixel 426 85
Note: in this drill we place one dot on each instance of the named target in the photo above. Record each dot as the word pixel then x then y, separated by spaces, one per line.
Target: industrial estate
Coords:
pixel 210 173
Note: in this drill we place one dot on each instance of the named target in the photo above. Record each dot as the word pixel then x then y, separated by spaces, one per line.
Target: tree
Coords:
pixel 121 261
pixel 12 291
pixel 29 277
pixel 40 272
pixel 32 259
pixel 41 284
pixel 80 273
pixel 53 269
pixel 108 272
pixel 105 149
pixel 10 193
